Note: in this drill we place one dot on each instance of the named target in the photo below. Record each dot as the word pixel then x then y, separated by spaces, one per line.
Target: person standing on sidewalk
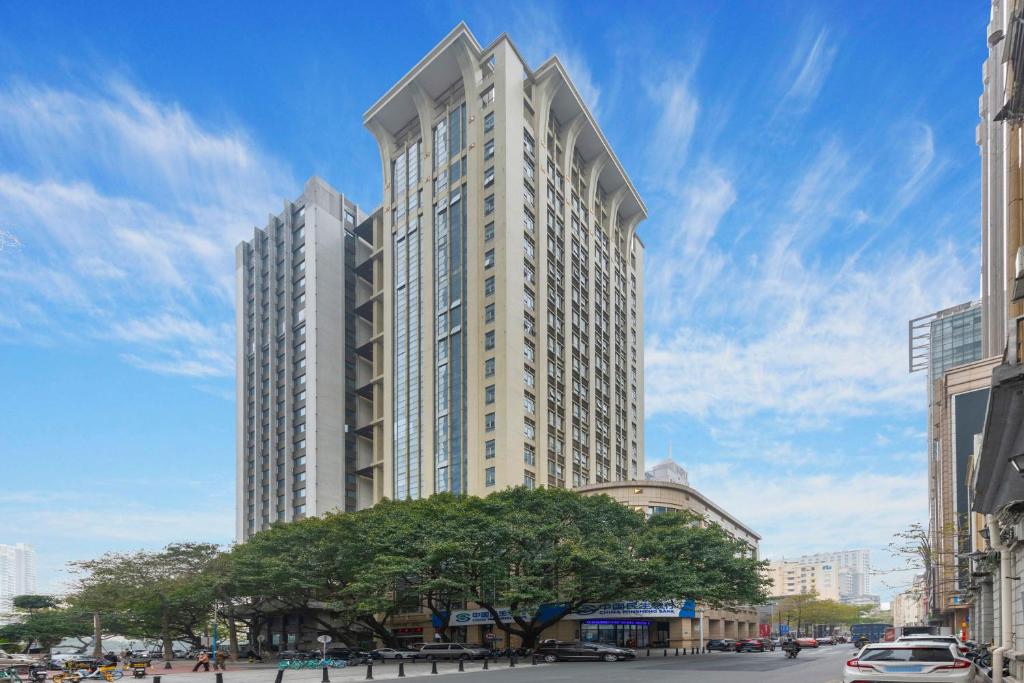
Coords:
pixel 202 660
pixel 220 661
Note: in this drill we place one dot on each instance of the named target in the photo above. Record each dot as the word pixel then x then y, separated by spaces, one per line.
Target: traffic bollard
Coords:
pixel 167 664
pixel 401 669
pixel 462 665
pixel 220 677
pixel 665 653
pixel 325 679
pixel 156 679
pixel 512 661
pixel 533 659
pixel 433 667
pixel 369 671
pixel 485 662
pixel 280 676
pixel 677 652
pixel 648 652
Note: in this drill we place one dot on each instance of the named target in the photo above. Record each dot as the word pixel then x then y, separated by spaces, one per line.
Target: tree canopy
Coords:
pixel 540 554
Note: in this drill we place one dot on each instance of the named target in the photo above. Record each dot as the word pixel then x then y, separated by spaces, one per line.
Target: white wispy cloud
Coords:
pixel 537 30
pixel 127 210
pixel 809 68
pixel 819 347
pixel 120 523
pixel 669 145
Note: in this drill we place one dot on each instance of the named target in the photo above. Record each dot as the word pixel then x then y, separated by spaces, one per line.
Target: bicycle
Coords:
pixel 312 663
pixel 108 673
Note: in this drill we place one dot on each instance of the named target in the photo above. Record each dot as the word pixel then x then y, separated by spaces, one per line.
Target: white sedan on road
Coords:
pixel 917 662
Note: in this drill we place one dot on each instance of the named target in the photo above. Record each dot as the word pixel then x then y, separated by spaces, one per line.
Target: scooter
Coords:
pixel 792 652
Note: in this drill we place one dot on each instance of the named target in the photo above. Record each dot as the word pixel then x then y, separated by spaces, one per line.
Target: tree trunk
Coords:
pixel 233 638
pixel 97 635
pixel 165 637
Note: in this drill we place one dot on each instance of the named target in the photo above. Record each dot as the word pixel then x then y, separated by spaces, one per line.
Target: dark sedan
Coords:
pixel 754 645
pixel 723 645
pixel 558 652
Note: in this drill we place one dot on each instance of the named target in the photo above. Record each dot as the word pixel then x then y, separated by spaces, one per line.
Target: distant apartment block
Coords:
pixel 17 576
pixel 788 578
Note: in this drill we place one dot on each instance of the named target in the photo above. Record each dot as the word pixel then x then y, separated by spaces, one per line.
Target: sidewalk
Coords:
pixel 264 673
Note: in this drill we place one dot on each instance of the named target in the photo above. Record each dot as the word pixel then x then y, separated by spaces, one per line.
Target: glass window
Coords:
pixel 529 454
pixel 489 122
pixel 528 377
pixel 528 301
pixel 489 313
pixel 489 367
pixel 489 286
pixel 529 405
pixel 489 394
pixel 489 476
pixel 488 150
pixel 489 177
pixel 489 340
pixel 529 430
pixel 489 258
pixel 528 480
pixel 489 232
pixel 528 350
pixel 487 96
pixel 489 448
pixel 300 493
pixel 489 205
pixel 489 422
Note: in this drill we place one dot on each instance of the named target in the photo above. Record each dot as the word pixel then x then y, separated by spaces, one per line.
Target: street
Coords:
pixel 823 665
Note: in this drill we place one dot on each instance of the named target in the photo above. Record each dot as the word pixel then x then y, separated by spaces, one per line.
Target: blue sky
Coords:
pixel 809 168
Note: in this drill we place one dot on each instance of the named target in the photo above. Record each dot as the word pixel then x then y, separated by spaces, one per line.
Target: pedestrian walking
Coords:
pixel 202 660
pixel 220 661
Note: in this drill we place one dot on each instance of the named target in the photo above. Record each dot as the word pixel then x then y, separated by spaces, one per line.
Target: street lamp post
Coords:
pixel 214 632
pixel 700 628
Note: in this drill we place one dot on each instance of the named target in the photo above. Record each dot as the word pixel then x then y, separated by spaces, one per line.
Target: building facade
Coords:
pixel 17 576
pixel 668 470
pixel 996 488
pixel 910 608
pixel 854 571
pixel 512 316
pixel 794 577
pixel 297 405
pixel 939 343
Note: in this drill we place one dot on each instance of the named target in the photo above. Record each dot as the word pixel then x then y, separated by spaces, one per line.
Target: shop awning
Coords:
pixel 996 483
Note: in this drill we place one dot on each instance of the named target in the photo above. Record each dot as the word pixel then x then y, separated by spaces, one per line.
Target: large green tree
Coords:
pixel 540 554
pixel 46 627
pixel 166 594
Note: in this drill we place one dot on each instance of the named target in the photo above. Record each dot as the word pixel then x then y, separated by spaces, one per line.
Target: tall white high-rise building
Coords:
pixel 513 317
pixel 17 575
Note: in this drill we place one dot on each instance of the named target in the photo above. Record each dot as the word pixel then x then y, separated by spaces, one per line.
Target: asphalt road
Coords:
pixel 822 665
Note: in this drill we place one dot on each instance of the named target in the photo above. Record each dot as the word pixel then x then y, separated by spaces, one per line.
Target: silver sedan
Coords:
pixel 393 653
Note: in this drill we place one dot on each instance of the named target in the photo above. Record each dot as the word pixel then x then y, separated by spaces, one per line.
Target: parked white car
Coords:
pixel 8 660
pixel 910 662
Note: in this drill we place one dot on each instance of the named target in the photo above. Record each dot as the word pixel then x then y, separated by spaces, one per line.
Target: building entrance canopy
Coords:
pixel 590 610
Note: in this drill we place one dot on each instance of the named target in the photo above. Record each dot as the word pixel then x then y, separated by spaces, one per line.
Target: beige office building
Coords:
pixel 796 578
pixel 511 310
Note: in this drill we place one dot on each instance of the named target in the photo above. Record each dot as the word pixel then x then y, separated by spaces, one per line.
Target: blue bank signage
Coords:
pixel 591 610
